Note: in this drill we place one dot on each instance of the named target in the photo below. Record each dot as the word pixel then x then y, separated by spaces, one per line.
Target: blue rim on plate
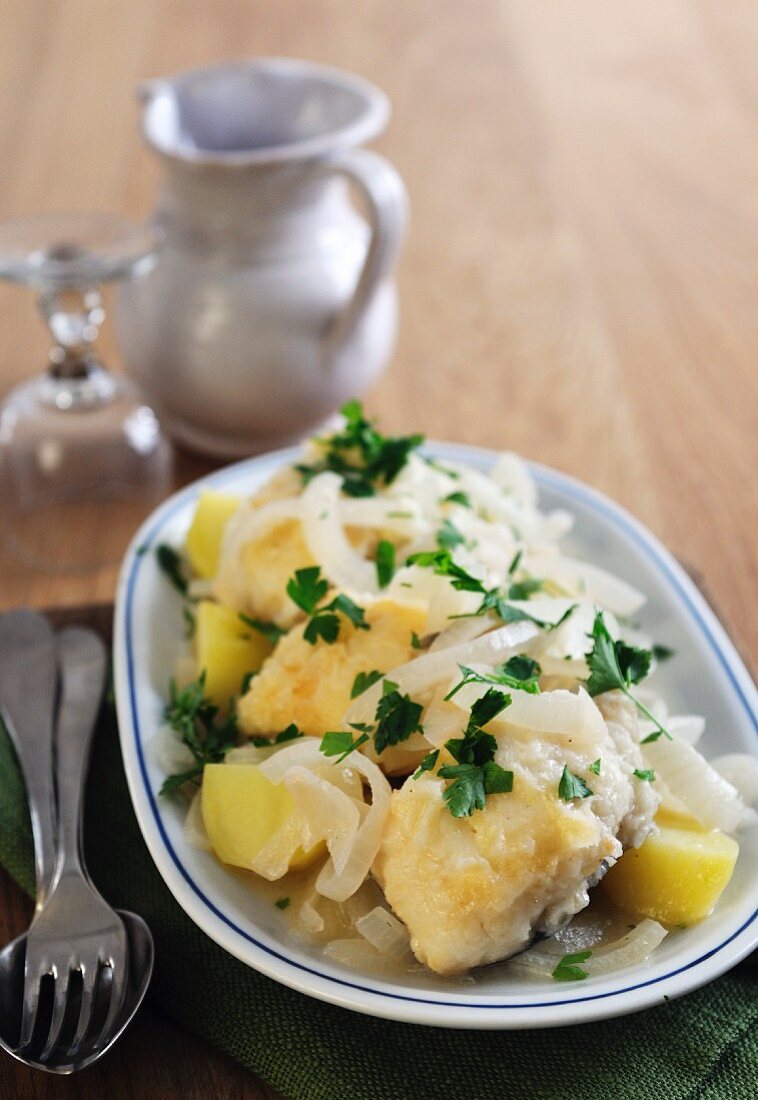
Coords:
pixel 150 535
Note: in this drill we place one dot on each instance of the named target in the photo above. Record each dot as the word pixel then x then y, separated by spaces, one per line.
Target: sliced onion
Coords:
pixel 304 751
pixel 273 860
pixel 340 884
pixel 688 775
pixel 442 721
pixel 384 514
pixel 462 631
pixel 581 577
pixel 384 931
pixel 325 537
pixel 195 833
pixel 307 917
pixel 436 592
pixel 741 770
pixel 631 950
pixel 200 588
pixel 328 813
pixel 559 713
pixel 511 473
pixel 424 673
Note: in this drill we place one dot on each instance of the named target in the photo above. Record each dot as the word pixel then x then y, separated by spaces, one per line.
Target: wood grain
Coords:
pixel 580 278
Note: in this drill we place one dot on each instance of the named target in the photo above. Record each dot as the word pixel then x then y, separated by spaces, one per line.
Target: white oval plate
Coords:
pixel 706 677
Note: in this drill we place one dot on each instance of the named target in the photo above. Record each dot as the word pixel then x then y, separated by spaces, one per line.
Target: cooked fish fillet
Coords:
pixel 474 890
pixel 310 684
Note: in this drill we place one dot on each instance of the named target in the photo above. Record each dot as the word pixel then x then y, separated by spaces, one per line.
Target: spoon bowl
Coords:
pixel 12 960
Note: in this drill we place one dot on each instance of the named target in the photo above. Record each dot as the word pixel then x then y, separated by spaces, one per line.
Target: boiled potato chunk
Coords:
pixel 242 810
pixel 226 649
pixel 213 512
pixel 677 876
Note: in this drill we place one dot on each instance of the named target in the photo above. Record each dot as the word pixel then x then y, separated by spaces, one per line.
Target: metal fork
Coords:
pixel 76 930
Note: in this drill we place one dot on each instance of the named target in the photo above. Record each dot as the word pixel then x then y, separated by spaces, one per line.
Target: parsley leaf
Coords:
pixel 645 773
pixel 595 767
pixel 195 719
pixel 341 743
pixel 363 682
pixel 291 733
pixel 416 642
pixel 518 672
pixel 270 631
pixel 427 763
pixel 441 562
pixel 458 497
pixel 171 564
pixel 486 708
pixel 282 903
pixel 522 590
pixel 662 653
pixel 568 971
pixel 614 665
pixel 571 786
pixel 364 458
pixel 475 773
pixel 448 536
pixel 515 562
pixel 385 562
pixel 307 588
pixel 189 622
pixel 471 784
pixel 397 717
pixel 325 625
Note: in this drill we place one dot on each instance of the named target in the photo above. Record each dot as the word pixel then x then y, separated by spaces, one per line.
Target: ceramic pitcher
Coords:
pixel 271 301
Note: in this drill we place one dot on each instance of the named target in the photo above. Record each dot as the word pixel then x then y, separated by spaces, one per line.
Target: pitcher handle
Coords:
pixel 387 206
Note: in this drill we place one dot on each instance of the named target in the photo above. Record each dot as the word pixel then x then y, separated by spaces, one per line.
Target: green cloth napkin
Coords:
pixel 703 1046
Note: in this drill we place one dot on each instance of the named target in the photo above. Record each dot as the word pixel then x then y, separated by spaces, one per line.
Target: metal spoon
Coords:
pixel 25 654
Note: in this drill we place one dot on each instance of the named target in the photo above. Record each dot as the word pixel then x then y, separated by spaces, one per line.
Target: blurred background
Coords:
pixel 579 279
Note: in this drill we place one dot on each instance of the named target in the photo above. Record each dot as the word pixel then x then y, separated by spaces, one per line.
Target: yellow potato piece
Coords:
pixel 677 876
pixel 242 810
pixel 203 544
pixel 226 649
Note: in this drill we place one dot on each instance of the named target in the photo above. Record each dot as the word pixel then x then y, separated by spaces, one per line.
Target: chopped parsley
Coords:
pixel 270 631
pixel 458 497
pixel 282 903
pixel 614 665
pixel 572 786
pixel 172 565
pixel 427 763
pixel 247 680
pixel 363 682
pixel 515 562
pixel 365 459
pixel 448 536
pixel 416 642
pixel 522 590
pixel 645 773
pixel 307 588
pixel 475 773
pixel 385 563
pixel 662 653
pixel 341 743
pixel 196 719
pixel 291 733
pixel 595 767
pixel 521 673
pixel 189 621
pixel 397 717
pixel 567 969
pixel 441 562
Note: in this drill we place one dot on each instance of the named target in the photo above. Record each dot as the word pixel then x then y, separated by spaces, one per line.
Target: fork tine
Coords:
pixel 118 990
pixel 32 985
pixel 60 1004
pixel 89 987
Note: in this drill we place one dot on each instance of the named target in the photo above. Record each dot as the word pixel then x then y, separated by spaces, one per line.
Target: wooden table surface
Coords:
pixel 579 282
